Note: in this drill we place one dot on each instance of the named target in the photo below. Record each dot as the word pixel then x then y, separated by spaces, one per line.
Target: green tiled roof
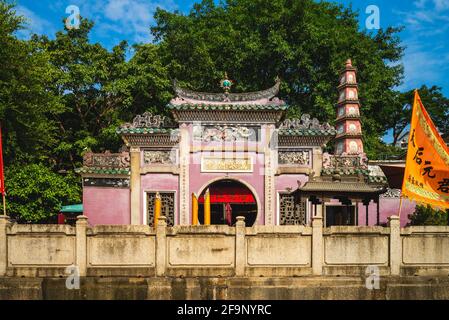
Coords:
pixel 332 186
pixel 377 179
pixel 143 130
pixel 226 107
pixel 355 171
pixel 345 172
pixel 307 132
pixel 98 170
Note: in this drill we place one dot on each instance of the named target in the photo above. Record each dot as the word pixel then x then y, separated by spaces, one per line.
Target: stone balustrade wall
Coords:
pixel 213 251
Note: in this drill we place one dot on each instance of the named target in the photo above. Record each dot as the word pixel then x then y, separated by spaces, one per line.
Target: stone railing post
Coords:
pixel 317 245
pixel 4 220
pixel 240 252
pixel 161 246
pixel 135 185
pixel 81 245
pixel 395 245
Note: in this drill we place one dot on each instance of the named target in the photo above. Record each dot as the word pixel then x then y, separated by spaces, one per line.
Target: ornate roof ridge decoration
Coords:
pixel 306 132
pixel 263 97
pixel 305 123
pixel 148 120
pixel 352 165
pixel 227 106
pixel 103 171
pixel 106 160
pixel 345 161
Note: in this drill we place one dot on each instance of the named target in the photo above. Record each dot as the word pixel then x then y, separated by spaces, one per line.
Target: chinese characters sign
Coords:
pixel 426 176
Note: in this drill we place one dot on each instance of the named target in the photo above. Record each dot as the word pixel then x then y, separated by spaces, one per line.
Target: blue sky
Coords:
pixel 426 23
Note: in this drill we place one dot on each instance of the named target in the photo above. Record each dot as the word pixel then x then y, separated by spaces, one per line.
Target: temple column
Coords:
pixel 184 194
pixel 270 169
pixel 135 185
pixel 317 161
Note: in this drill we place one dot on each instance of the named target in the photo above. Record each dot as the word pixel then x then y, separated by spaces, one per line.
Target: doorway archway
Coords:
pixel 230 198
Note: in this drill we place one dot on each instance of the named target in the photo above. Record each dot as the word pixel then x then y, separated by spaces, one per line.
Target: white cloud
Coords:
pixel 34 23
pixel 420 3
pixel 441 5
pixel 127 18
pixel 423 65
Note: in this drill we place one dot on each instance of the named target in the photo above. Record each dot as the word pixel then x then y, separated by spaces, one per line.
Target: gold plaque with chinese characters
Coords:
pixel 211 164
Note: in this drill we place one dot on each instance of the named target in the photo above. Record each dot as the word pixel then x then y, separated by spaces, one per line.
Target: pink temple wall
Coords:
pixel 387 208
pixel 255 179
pixel 106 205
pixel 159 182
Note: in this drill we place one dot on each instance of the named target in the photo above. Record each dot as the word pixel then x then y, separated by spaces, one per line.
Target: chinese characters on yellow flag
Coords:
pixel 426 176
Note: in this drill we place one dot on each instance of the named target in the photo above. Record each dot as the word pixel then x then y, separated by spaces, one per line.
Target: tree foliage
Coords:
pixel 400 111
pixel 427 216
pixel 36 193
pixel 26 107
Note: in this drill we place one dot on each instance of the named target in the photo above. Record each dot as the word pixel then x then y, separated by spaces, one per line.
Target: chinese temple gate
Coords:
pixel 251 159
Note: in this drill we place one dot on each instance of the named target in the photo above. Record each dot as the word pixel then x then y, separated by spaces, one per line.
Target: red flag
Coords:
pixel 2 176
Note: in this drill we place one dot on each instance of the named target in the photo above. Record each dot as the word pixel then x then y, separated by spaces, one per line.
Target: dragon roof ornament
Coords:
pixel 148 120
pixel 305 123
pixel 190 97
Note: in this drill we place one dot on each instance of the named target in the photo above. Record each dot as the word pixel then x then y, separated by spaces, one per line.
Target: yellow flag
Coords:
pixel 426 176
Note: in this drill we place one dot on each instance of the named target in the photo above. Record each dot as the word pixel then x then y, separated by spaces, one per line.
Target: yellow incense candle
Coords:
pixel 157 208
pixel 207 208
pixel 194 209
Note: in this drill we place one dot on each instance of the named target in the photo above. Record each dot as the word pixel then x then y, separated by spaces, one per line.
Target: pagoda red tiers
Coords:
pixel 252 161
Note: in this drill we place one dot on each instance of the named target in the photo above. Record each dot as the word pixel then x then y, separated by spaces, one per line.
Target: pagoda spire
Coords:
pixel 348 125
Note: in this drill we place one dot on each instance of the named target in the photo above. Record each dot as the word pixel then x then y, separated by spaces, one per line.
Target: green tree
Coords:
pixel 304 42
pixel 28 113
pixel 36 193
pixel 148 81
pixel 89 80
pixel 427 216
pixel 400 110
pixel 26 107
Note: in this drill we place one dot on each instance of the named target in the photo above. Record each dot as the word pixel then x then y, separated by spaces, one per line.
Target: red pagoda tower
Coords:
pixel 349 129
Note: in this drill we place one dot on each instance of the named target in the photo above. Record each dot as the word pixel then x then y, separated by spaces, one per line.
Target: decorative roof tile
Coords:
pixel 103 170
pixel 226 107
pixel 147 123
pixel 263 97
pixel 306 126
pixel 123 130
pixel 307 132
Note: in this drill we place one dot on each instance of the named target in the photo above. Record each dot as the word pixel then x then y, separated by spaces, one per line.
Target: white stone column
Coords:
pixel 317 245
pixel 184 195
pixel 135 186
pixel 395 245
pixel 4 220
pixel 270 170
pixel 81 245
pixel 240 250
pixel 320 211
pixel 161 246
